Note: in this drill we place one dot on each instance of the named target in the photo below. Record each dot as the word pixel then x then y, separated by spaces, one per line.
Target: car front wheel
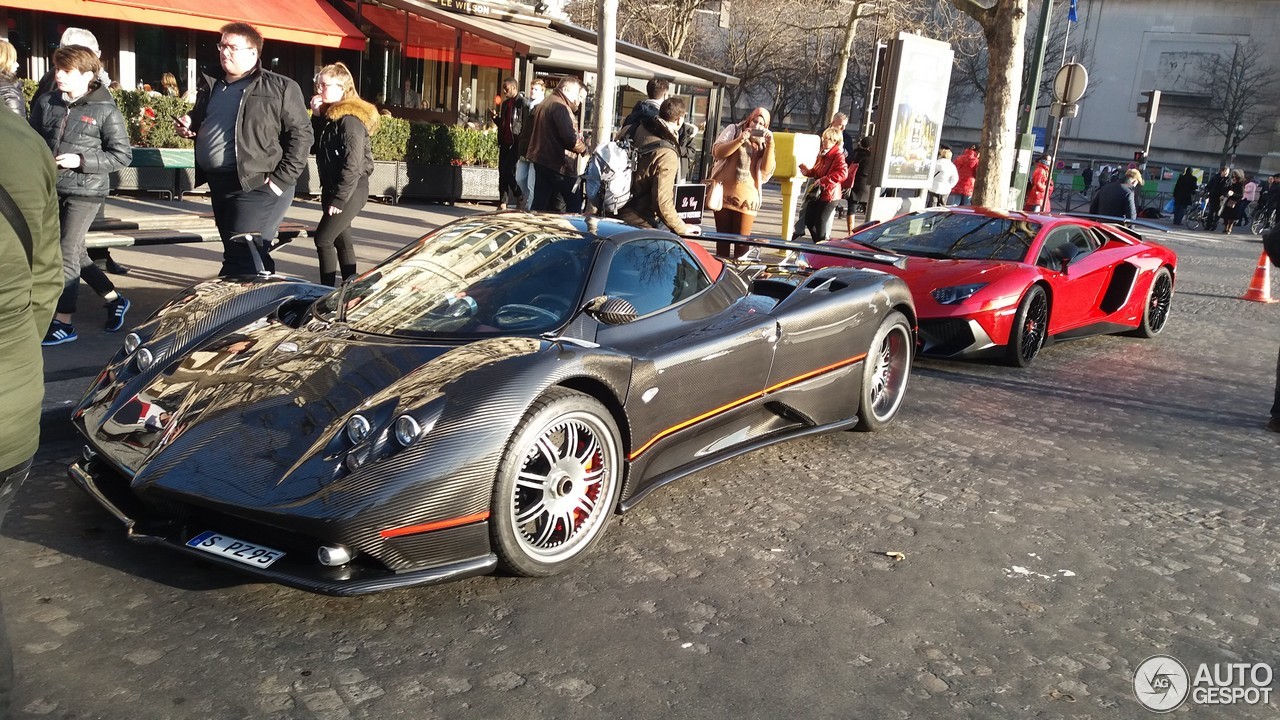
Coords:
pixel 884 373
pixel 557 485
pixel 1030 328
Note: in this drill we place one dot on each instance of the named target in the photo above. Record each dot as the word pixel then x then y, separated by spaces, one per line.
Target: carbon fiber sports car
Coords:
pixel 487 397
pixel 999 284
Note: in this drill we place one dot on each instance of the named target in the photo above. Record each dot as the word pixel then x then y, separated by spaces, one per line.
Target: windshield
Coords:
pixel 475 277
pixel 953 235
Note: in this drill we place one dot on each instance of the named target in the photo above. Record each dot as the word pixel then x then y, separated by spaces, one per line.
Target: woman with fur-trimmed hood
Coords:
pixel 344 156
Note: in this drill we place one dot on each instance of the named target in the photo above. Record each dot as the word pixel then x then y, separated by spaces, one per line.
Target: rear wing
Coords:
pixel 873 256
pixel 1124 224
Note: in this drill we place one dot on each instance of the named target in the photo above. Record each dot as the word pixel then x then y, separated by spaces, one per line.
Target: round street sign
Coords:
pixel 1069 83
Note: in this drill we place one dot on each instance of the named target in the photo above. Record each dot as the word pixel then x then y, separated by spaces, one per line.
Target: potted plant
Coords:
pixel 162 160
pixel 448 163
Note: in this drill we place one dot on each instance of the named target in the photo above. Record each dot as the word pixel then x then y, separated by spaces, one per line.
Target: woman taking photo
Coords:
pixel 344 156
pixel 744 162
pixel 86 132
pixel 827 175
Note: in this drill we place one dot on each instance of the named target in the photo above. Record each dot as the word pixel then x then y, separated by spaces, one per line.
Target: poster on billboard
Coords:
pixel 913 111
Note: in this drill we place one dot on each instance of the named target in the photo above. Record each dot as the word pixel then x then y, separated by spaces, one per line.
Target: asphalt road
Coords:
pixel 1058 525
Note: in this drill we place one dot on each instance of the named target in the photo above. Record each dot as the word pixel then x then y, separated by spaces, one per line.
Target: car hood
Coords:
pixel 251 418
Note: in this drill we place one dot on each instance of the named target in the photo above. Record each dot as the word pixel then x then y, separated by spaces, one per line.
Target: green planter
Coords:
pixel 449 183
pixel 145 157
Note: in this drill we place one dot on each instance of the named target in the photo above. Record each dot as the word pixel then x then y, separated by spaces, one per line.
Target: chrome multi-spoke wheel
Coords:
pixel 885 372
pixel 558 485
pixel 1030 328
pixel 1159 302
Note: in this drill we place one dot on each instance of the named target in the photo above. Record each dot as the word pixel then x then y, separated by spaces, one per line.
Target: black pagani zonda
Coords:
pixel 487 397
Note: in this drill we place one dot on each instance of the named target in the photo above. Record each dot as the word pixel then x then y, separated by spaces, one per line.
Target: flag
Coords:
pixel 1071 12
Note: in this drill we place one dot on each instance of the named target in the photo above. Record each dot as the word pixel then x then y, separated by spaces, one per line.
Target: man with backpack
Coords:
pixel 653 184
pixel 512 114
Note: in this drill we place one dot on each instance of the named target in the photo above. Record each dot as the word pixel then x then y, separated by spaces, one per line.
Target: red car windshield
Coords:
pixel 962 236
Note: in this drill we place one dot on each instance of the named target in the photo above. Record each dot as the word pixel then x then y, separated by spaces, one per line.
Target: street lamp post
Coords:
pixel 1235 144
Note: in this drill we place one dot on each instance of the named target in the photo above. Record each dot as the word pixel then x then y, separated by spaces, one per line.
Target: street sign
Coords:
pixel 1068 110
pixel 1069 83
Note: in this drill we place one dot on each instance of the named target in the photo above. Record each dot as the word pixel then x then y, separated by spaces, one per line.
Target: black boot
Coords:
pixel 329 278
pixel 348 273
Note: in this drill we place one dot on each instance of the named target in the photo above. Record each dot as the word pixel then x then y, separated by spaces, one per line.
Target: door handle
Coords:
pixel 771 333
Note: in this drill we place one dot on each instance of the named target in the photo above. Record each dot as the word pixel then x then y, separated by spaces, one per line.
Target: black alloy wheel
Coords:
pixel 1030 328
pixel 1159 302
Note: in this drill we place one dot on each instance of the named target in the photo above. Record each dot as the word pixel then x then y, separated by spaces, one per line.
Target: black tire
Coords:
pixel 884 373
pixel 1194 220
pixel 1030 328
pixel 546 479
pixel 1155 314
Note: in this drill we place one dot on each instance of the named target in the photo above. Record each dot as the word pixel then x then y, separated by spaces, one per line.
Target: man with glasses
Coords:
pixel 252 139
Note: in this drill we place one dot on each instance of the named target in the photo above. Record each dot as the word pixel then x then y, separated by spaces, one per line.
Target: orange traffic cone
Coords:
pixel 1260 289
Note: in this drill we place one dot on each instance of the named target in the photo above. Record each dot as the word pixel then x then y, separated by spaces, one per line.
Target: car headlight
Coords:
pixel 132 342
pixel 145 359
pixel 956 293
pixel 358 429
pixel 407 430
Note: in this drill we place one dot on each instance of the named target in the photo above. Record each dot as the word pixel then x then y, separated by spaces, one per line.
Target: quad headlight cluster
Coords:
pixel 365 438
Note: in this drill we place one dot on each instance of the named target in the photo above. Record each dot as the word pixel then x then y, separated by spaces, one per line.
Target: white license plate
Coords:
pixel 233 549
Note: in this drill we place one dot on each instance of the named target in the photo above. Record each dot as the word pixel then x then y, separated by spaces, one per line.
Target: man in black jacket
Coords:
pixel 1216 188
pixel 513 113
pixel 252 139
pixel 1116 199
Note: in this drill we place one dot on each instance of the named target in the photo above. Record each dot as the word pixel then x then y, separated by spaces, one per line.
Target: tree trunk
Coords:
pixel 1004 25
pixel 842 63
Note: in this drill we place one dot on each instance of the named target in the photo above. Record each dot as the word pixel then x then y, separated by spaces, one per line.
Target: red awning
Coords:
pixel 308 22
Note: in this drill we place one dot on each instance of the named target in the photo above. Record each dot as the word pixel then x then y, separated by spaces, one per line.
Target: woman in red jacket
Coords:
pixel 966 168
pixel 1041 186
pixel 824 192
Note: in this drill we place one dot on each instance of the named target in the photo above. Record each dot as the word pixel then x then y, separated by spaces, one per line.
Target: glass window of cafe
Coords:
pixel 411 67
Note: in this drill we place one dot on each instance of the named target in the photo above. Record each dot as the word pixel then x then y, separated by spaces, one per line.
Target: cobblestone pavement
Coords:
pixel 1059 525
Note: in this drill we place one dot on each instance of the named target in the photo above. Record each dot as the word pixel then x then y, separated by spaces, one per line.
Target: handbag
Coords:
pixel 715 195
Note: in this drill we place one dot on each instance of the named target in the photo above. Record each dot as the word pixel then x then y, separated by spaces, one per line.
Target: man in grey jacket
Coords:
pixel 252 139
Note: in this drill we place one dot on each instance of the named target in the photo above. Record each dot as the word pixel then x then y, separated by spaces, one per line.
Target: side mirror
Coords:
pixel 611 310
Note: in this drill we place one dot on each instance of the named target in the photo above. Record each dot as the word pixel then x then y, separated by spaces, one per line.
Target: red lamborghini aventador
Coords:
pixel 994 283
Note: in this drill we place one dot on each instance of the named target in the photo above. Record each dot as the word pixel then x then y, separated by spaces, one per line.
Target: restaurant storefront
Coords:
pixel 437 60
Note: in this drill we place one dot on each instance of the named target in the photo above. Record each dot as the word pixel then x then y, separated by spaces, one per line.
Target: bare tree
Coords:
pixel 858 9
pixel 1004 24
pixel 1241 89
pixel 662 26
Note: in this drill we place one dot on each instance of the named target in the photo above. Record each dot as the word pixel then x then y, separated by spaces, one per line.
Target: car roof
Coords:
pixel 608 230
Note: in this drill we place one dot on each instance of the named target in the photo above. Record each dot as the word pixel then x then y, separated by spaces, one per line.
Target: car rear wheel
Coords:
pixel 884 373
pixel 557 485
pixel 1030 328
pixel 1159 302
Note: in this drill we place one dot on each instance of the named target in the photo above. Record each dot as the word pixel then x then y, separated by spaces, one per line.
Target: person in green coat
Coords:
pixel 31 265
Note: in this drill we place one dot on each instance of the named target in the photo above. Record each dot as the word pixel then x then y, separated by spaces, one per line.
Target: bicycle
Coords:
pixel 1197 213
pixel 1263 221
